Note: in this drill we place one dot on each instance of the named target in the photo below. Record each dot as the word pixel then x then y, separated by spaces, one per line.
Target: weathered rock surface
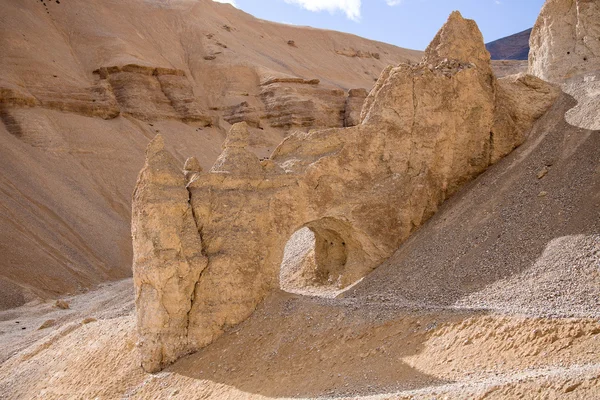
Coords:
pixel 565 41
pixel 298 104
pixel 242 112
pixel 94 101
pixel 151 93
pixel 191 168
pixel 354 104
pixel 302 104
pixel 524 98
pixel 168 257
pixel 426 130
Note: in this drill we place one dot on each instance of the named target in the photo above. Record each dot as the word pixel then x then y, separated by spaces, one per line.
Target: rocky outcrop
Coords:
pixel 235 158
pixel 94 101
pixel 303 104
pixel 147 93
pixel 242 112
pixel 564 42
pixel 426 130
pixel 167 257
pixel 296 103
pixel 150 93
pixel 349 52
pixel 271 80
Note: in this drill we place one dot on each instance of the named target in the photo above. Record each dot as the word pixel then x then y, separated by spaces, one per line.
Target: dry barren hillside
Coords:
pixel 85 85
pixel 455 218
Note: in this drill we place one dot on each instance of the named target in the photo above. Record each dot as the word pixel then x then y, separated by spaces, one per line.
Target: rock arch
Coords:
pixel 331 258
pixel 426 130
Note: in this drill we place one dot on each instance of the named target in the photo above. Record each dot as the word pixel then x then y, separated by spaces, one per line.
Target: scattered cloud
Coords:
pixel 350 7
pixel 232 2
pixel 392 3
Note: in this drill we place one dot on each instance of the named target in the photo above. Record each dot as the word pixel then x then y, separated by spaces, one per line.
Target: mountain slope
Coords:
pixel 513 47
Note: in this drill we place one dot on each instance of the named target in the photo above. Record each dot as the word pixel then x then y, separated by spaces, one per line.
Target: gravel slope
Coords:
pixel 545 194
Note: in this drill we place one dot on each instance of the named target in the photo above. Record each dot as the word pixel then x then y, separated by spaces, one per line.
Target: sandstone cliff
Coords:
pixel 425 131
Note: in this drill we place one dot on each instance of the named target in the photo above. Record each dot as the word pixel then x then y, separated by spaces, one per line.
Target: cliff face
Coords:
pixel 425 131
pixel 565 40
pixel 84 87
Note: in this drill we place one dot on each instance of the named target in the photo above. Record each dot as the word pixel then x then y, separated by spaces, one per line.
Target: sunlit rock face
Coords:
pixel 208 255
pixel 565 40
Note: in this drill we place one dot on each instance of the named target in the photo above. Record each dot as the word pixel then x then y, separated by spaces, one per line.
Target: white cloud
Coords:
pixel 350 7
pixel 232 2
pixel 392 3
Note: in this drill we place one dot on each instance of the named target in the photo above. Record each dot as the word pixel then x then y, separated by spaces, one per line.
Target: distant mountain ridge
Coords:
pixel 513 47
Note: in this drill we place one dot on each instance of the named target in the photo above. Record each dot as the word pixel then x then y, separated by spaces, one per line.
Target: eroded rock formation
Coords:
pixel 168 257
pixel 565 41
pixel 298 103
pixel 73 144
pixel 154 93
pixel 426 130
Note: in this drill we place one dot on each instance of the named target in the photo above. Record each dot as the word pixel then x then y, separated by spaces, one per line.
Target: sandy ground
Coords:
pixel 22 326
pixel 301 347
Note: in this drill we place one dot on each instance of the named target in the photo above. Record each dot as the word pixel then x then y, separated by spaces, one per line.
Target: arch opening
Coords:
pixel 318 260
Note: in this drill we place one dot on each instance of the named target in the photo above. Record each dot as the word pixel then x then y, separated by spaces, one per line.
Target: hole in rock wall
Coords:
pixel 315 262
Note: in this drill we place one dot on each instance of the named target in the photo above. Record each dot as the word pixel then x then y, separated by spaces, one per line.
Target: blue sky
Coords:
pixel 405 23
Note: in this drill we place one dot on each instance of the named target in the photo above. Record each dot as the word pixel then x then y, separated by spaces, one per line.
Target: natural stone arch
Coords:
pixel 205 257
pixel 330 260
pixel 331 256
pixel 339 258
